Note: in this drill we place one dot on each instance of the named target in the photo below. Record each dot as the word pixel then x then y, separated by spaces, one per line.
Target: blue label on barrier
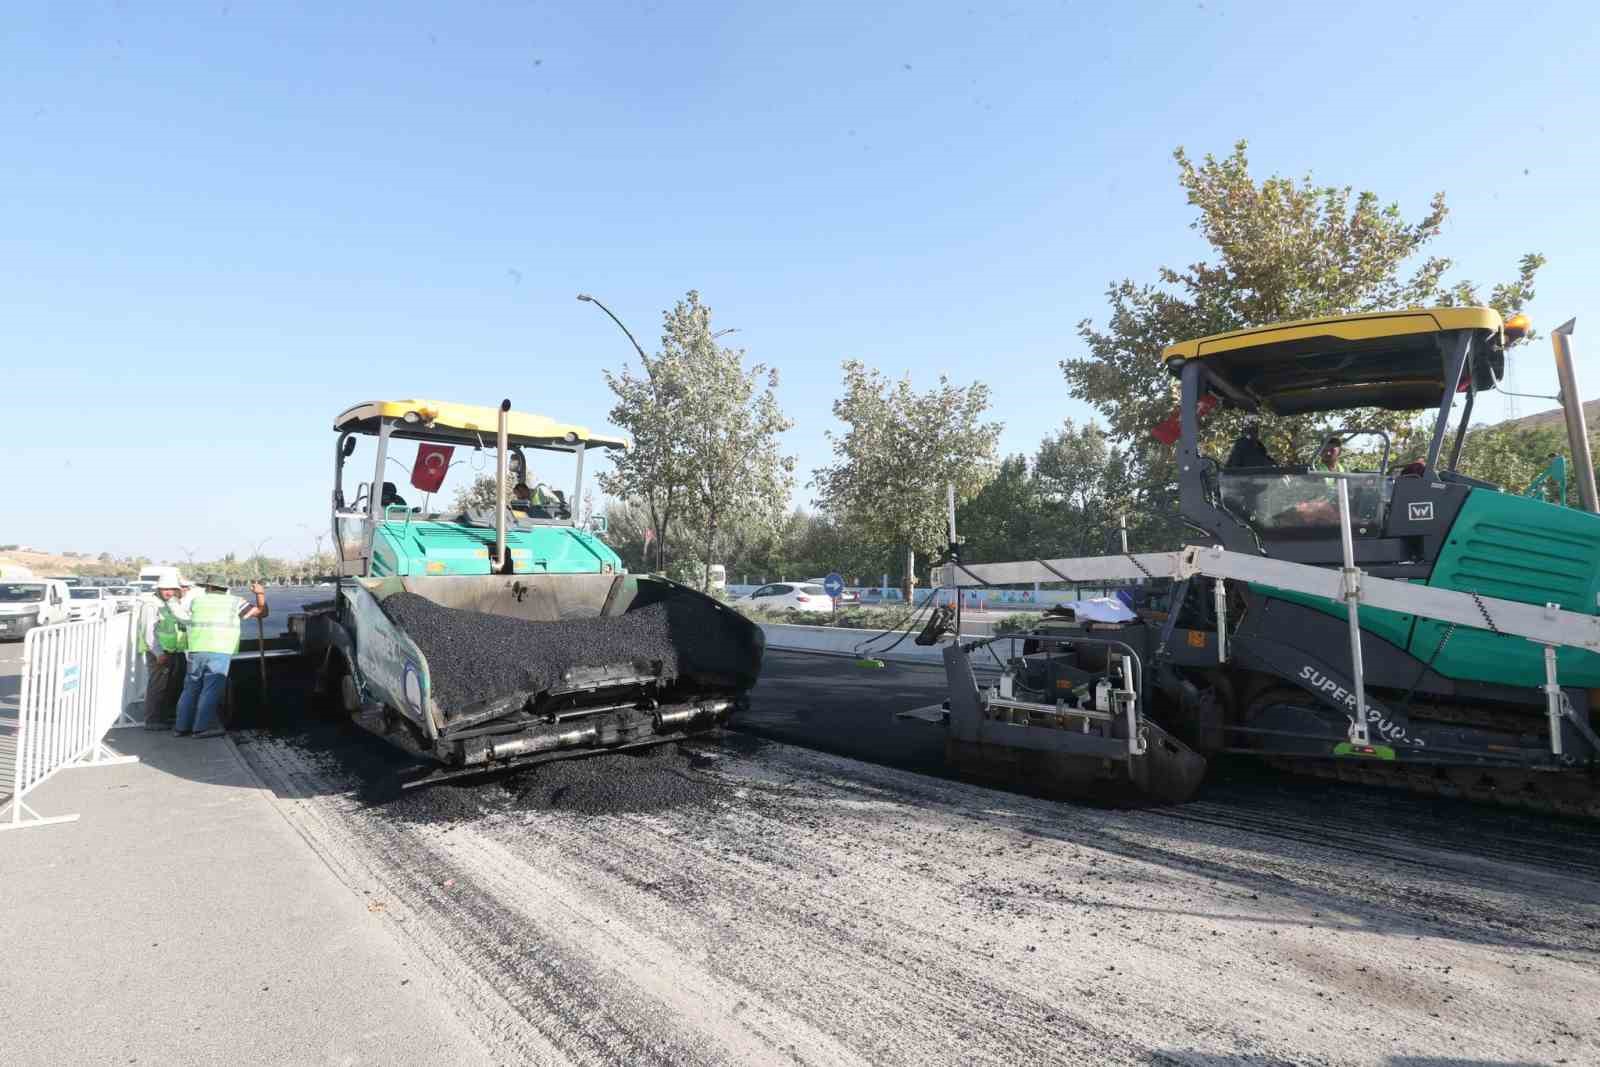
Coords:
pixel 69 678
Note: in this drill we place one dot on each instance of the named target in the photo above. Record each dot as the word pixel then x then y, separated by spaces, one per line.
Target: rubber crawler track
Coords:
pixel 1550 793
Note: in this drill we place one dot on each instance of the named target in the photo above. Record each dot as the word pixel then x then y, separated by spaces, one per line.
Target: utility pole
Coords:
pixel 649 370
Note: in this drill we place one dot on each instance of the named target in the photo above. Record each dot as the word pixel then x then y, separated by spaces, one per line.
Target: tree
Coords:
pixel 1284 249
pixel 480 494
pixel 705 428
pixel 729 421
pixel 899 451
pixel 650 471
pixel 626 524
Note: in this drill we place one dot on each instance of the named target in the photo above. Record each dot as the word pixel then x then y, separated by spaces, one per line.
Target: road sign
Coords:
pixel 833 585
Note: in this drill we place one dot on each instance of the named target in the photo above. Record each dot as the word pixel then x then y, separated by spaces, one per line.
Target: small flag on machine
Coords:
pixel 433 461
pixel 1169 429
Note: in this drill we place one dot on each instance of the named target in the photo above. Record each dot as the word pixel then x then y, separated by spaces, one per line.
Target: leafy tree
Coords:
pixel 1004 519
pixel 1065 502
pixel 727 421
pixel 1282 249
pixel 480 494
pixel 705 430
pixel 899 451
pixel 651 472
pixel 626 524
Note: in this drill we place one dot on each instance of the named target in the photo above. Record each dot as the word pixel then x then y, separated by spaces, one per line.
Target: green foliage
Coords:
pixel 480 495
pixel 1064 502
pixel 706 429
pixel 1019 622
pixel 899 450
pixel 1282 249
pixel 1509 456
pixel 851 618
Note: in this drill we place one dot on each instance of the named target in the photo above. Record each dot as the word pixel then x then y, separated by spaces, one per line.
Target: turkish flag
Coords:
pixel 433 461
pixel 1169 429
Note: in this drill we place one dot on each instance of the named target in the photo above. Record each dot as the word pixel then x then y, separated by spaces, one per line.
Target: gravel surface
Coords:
pixel 474 656
pixel 753 902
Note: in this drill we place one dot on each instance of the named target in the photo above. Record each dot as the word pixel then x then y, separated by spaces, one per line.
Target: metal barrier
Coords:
pixel 76 682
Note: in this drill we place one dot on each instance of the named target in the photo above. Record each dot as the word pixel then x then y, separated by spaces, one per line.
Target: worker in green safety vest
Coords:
pixel 213 637
pixel 162 640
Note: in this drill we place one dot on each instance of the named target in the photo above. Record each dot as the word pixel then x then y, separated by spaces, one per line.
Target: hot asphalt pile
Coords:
pixel 474 656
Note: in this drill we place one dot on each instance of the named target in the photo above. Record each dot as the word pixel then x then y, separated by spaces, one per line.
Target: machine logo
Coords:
pixel 1329 688
pixel 1420 511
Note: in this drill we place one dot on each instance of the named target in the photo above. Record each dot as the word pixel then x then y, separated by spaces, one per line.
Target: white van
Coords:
pixel 27 603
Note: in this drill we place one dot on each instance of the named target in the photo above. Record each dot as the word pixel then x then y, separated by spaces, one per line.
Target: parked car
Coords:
pixel 801 596
pixel 27 604
pixel 89 602
pixel 125 597
pixel 846 597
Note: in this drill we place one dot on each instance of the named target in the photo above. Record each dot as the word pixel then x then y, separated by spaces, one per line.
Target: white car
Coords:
pixel 800 596
pixel 123 597
pixel 30 603
pixel 845 595
pixel 89 602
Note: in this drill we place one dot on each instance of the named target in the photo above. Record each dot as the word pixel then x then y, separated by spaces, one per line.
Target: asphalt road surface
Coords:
pixel 810 888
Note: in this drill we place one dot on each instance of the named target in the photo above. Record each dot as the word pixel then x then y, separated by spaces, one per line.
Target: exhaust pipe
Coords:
pixel 501 447
pixel 678 718
pixel 1572 407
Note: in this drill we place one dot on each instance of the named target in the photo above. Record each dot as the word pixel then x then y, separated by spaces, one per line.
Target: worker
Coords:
pixel 1248 451
pixel 1328 458
pixel 524 498
pixel 162 640
pixel 213 632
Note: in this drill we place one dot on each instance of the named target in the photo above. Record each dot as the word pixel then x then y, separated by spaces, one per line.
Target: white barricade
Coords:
pixel 77 680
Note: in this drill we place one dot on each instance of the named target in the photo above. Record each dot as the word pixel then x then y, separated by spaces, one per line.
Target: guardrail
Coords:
pixel 839 641
pixel 76 681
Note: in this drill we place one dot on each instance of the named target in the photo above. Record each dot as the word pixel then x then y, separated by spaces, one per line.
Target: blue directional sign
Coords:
pixel 833 584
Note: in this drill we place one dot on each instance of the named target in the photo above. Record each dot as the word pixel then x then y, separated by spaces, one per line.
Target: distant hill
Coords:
pixel 45 564
pixel 1553 419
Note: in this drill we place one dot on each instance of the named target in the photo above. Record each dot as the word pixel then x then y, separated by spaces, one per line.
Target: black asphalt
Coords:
pixel 829 703
pixel 476 657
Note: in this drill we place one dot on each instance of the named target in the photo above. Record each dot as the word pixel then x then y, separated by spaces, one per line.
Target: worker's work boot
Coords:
pixel 214 731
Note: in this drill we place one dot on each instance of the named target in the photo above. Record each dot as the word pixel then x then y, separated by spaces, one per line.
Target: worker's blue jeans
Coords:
pixel 203 685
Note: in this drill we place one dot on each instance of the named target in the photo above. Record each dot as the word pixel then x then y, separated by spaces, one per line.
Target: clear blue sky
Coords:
pixel 223 223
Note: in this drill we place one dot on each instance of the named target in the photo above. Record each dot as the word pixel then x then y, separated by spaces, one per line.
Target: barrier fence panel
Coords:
pixel 76 681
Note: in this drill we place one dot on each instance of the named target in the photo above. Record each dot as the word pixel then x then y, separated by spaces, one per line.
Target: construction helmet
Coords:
pixel 167 578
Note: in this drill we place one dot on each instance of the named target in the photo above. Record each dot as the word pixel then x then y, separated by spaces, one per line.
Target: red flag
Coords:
pixel 433 461
pixel 1168 430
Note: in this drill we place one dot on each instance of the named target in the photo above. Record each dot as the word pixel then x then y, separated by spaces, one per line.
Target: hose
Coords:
pixel 912 616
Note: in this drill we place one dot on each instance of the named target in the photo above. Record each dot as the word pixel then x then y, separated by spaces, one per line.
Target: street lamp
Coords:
pixel 263 541
pixel 587 299
pixel 317 534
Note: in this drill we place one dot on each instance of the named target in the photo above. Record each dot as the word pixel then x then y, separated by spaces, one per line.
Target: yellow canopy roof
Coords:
pixel 468 423
pixel 1368 327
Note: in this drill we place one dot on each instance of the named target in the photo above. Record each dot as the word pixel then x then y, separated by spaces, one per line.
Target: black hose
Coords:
pixel 911 616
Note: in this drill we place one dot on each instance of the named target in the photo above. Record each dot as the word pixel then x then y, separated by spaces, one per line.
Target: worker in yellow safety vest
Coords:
pixel 213 638
pixel 162 640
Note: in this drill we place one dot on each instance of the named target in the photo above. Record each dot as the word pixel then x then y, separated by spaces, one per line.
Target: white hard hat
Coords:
pixel 167 578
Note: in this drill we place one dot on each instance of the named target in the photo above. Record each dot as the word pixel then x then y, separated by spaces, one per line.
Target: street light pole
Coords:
pixel 587 299
pixel 644 361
